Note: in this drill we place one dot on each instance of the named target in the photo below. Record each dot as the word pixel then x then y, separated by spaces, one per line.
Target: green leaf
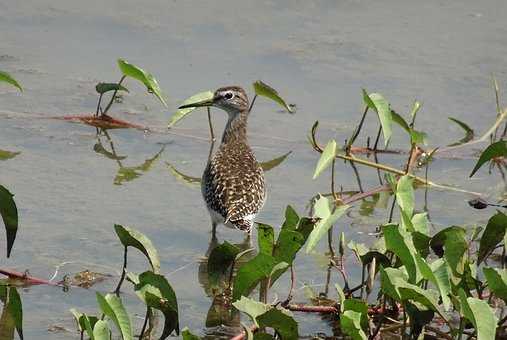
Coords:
pixel 182 113
pixel 400 121
pixel 262 89
pixel 131 70
pixel 5 155
pixel 187 335
pixel 341 295
pixel 492 236
pixel 497 281
pixel 360 307
pixel 405 195
pixel 378 103
pixel 481 315
pixel 265 238
pixel 441 276
pixel 327 219
pixel 350 324
pixel 281 320
pixel 7 78
pixel 251 273
pixel 219 261
pixel 469 133
pixel 420 223
pixel 326 158
pixel 418 137
pixel 112 307
pixel 291 218
pixel 106 87
pixel 157 293
pixel 262 336
pixel 498 149
pixel 9 213
pixel 132 238
pixel 101 331
pixel 273 163
pixel 84 322
pixel 402 245
pixel 14 308
pixel 251 307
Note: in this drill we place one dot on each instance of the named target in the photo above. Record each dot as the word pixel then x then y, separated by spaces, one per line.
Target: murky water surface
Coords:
pixel 318 54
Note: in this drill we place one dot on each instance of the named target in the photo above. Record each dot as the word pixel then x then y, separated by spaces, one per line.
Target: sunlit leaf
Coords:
pixel 9 213
pixel 132 238
pixel 281 320
pixel 402 245
pixel 326 158
pixel 265 238
pixel 5 155
pixel 113 308
pixel 492 236
pixel 350 324
pixel 106 87
pixel 327 219
pixel 251 273
pixel 262 89
pixel 378 103
pixel 101 330
pixel 131 70
pixel 441 275
pixel 219 261
pixel 498 149
pixel 187 335
pixel 418 137
pixel 7 78
pixel 157 293
pixel 268 165
pixel 182 113
pixel 251 307
pixel 358 306
pixel 497 281
pixel 405 195
pixel 398 119
pixel 469 133
pixel 481 315
pixel 84 322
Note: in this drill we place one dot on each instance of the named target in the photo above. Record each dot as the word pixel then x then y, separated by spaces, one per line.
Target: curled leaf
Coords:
pixel 263 89
pixel 7 78
pixel 131 70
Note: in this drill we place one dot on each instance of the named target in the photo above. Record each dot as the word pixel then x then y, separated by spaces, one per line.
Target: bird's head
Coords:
pixel 232 99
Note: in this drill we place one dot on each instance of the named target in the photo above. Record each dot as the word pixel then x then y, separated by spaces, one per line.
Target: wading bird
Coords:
pixel 233 182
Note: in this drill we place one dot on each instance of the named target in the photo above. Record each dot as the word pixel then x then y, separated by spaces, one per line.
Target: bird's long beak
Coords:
pixel 206 102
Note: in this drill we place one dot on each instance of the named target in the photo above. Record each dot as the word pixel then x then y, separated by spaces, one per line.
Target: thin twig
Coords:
pixel 113 96
pixel 252 103
pixel 210 123
pixel 356 131
pixel 146 318
pixel 27 278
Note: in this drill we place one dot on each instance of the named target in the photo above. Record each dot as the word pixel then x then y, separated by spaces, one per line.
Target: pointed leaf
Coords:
pixel 131 70
pixel 132 238
pixel 405 195
pixel 251 307
pixel 281 320
pixel 378 103
pixel 182 113
pixel 7 78
pixel 402 245
pixel 350 324
pixel 326 158
pixel 492 236
pixel 113 308
pixel 291 218
pixel 251 273
pixel 498 149
pixel 156 292
pixel 469 133
pixel 497 281
pixel 263 89
pixel 5 155
pixel 9 213
pixel 481 315
pixel 106 87
pixel 101 331
pixel 327 219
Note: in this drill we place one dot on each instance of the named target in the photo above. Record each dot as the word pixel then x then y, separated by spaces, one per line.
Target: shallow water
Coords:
pixel 317 54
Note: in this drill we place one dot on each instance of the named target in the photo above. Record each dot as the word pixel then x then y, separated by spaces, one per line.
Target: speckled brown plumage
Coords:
pixel 233 182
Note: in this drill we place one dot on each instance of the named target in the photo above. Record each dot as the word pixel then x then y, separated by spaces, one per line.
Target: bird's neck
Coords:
pixel 235 130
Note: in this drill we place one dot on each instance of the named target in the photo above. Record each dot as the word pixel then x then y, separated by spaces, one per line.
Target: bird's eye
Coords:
pixel 228 95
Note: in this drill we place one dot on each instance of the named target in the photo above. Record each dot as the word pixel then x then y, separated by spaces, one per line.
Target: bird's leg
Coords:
pixel 213 231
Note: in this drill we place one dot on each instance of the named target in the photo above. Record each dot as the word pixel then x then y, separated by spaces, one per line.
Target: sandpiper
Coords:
pixel 233 182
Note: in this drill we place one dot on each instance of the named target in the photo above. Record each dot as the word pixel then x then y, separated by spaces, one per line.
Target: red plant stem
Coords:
pixel 242 335
pixel 28 279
